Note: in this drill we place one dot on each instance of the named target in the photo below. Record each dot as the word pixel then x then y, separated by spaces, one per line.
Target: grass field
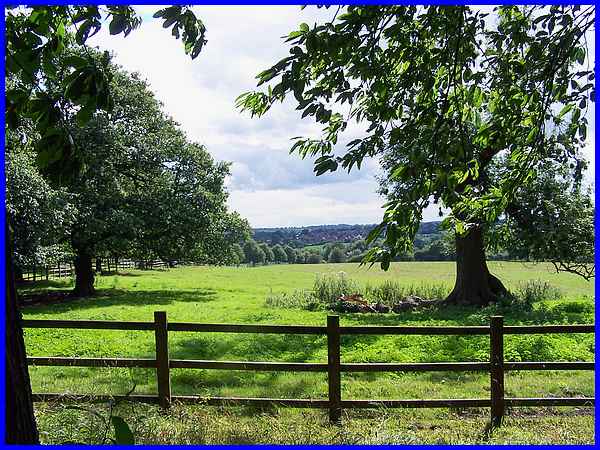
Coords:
pixel 237 295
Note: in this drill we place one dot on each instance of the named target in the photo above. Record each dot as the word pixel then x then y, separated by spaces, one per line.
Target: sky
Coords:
pixel 268 186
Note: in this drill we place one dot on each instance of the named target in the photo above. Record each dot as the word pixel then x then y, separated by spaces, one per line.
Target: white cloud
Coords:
pixel 267 185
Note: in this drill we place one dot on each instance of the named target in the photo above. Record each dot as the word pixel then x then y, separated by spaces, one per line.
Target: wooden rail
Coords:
pixel 162 363
pixel 66 268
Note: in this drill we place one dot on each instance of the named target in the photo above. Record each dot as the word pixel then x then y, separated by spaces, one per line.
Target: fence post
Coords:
pixel 333 368
pixel 497 369
pixel 162 358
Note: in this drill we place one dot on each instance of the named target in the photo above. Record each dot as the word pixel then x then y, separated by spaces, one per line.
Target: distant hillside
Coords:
pixel 318 234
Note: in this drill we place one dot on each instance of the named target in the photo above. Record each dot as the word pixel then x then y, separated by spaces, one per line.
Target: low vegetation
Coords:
pixel 201 425
pixel 329 290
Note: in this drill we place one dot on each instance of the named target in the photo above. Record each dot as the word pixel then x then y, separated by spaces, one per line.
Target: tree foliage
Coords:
pixel 449 91
pixel 279 254
pixel 38 214
pixel 553 220
pixel 37 38
pixel 253 252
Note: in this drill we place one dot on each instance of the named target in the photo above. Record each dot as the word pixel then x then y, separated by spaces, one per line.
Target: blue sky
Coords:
pixel 268 186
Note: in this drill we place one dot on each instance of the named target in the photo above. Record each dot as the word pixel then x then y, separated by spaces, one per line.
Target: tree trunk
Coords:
pixel 98 265
pixel 84 275
pixel 18 274
pixel 474 284
pixel 20 420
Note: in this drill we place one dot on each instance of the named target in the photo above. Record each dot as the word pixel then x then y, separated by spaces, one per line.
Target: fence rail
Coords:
pixel 66 268
pixel 496 366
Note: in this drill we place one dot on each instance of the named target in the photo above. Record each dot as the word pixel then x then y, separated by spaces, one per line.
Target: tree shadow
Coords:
pixel 119 273
pixel 118 297
pixel 253 347
pixel 36 286
pixel 566 312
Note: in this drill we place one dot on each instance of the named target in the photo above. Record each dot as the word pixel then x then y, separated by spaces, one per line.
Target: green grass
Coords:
pixel 237 295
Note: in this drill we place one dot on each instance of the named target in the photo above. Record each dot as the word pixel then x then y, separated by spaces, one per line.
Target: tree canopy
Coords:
pixel 36 40
pixel 143 188
pixel 449 91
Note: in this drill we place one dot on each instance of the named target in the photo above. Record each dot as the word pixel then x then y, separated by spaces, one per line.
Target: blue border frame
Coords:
pixel 291 3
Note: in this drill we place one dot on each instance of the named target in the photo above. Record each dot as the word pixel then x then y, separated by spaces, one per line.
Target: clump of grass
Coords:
pixel 198 424
pixel 523 298
pixel 390 292
pixel 534 291
pixel 298 299
pixel 327 289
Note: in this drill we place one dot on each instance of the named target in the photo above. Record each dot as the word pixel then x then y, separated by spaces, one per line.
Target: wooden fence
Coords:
pixel 66 268
pixel 496 366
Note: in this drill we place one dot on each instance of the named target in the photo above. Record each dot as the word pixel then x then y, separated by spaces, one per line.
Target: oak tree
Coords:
pixel 450 90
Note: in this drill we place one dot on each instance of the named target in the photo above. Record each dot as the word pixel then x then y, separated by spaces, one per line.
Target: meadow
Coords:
pixel 238 295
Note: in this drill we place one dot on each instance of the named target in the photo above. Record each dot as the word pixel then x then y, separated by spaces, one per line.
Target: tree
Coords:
pixel 337 255
pixel 292 254
pixel 553 220
pixel 38 215
pixel 34 37
pixel 143 186
pixel 220 243
pixel 238 254
pixel 448 91
pixel 314 258
pixel 329 248
pixel 279 254
pixel 254 253
pixel 269 257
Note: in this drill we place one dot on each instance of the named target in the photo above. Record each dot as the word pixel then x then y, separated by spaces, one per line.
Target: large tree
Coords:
pixel 450 90
pixel 34 38
pixel 142 185
pixel 38 214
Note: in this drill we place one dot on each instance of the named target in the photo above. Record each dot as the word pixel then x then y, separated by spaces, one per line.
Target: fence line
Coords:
pixel 496 366
pixel 66 269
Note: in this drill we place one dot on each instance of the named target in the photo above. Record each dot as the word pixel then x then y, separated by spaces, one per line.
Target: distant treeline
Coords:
pixel 319 234
pixel 346 243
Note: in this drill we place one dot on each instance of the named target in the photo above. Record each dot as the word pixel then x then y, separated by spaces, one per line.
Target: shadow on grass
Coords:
pixel 38 286
pixel 117 297
pixel 120 274
pixel 570 312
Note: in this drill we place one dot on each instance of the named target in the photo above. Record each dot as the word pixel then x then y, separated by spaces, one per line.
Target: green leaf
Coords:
pixel 86 112
pixel 76 61
pixel 531 136
pixel 565 110
pixel 123 434
pixel 117 25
